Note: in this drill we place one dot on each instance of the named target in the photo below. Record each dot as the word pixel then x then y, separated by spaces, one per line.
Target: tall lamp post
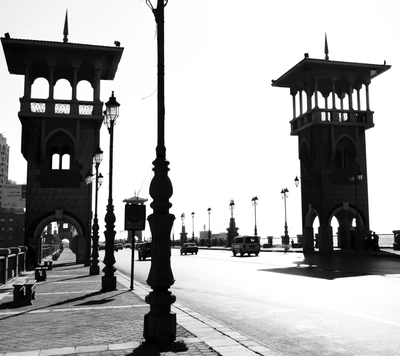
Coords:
pixel 109 280
pixel 94 266
pixel 159 322
pixel 285 195
pixel 209 227
pixel 192 226
pixel 254 201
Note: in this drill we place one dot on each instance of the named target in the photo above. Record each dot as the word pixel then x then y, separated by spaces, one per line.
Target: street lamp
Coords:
pixel 232 206
pixel 109 280
pixel 159 322
pixel 94 266
pixel 296 181
pixel 192 226
pixel 209 229
pixel 254 201
pixel 285 195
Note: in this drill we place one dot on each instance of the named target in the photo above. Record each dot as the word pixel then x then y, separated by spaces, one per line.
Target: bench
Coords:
pixel 24 292
pixel 48 264
pixel 41 273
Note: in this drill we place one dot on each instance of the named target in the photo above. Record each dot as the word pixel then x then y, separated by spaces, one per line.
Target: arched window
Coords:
pixel 84 91
pixel 345 153
pixel 55 161
pixel 40 89
pixel 63 90
pixel 65 161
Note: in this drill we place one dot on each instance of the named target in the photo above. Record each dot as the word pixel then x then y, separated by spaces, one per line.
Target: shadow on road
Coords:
pixel 335 266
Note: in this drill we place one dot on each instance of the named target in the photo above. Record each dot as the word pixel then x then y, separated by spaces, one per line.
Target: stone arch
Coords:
pixel 352 212
pixel 65 216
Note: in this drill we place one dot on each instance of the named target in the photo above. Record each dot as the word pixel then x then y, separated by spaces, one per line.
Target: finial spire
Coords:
pixel 326 48
pixel 65 33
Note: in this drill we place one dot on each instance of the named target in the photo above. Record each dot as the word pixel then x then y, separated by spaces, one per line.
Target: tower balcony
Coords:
pixel 74 108
pixel 317 116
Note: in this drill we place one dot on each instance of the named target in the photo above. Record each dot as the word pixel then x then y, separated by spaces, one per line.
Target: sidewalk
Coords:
pixel 70 316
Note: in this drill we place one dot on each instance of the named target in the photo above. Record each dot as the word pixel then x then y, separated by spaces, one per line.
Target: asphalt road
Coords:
pixel 343 305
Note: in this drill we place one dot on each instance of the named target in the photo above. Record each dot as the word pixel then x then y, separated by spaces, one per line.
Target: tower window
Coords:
pixel 65 161
pixel 55 161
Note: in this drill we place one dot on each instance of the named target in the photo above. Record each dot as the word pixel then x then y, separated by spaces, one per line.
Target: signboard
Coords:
pixel 13 196
pixel 135 217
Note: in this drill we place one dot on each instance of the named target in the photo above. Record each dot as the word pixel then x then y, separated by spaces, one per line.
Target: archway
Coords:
pixel 62 226
pixel 351 230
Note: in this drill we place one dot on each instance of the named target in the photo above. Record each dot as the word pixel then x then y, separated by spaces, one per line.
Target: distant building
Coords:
pixel 4 156
pixel 12 228
pixel 12 218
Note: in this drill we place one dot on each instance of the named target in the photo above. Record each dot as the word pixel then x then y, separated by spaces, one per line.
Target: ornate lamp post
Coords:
pixel 109 281
pixel 209 229
pixel 192 226
pixel 254 201
pixel 94 266
pixel 159 322
pixel 285 195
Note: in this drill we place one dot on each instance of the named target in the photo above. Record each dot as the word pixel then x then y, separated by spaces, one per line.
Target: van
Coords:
pixel 246 244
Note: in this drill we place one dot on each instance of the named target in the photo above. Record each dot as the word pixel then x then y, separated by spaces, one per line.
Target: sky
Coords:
pixel 227 129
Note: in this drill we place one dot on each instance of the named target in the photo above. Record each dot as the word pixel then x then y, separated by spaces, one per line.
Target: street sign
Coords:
pixel 135 217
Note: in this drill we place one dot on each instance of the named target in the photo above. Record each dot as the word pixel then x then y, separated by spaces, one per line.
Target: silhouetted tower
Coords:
pixel 331 113
pixel 59 137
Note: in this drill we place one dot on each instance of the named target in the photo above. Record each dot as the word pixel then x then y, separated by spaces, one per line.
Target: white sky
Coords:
pixel 227 130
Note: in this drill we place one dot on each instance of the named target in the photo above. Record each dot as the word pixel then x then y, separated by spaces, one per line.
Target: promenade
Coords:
pixel 70 316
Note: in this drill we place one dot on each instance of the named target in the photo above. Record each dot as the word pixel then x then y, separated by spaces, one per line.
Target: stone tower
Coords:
pixel 331 113
pixel 59 137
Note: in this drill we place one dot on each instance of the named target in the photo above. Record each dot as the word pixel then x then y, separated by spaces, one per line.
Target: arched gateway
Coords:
pixel 59 136
pixel 331 125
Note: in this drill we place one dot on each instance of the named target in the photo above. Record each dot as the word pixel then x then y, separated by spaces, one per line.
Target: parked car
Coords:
pixel 118 246
pixel 246 244
pixel 128 245
pixel 189 247
pixel 102 246
pixel 144 250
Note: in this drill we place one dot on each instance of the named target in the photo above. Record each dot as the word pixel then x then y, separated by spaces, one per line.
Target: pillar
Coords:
pixel 325 239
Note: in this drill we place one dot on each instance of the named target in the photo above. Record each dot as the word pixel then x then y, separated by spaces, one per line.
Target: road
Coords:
pixel 335 306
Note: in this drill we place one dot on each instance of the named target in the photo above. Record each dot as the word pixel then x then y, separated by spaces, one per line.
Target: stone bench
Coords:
pixel 41 273
pixel 48 264
pixel 24 292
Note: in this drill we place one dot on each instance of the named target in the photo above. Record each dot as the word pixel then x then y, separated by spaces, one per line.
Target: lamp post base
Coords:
pixel 108 281
pixel 94 270
pixel 160 323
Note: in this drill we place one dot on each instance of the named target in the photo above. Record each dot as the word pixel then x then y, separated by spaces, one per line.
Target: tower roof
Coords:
pixel 19 51
pixel 309 68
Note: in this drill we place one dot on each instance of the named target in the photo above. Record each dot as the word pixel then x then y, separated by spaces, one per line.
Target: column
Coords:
pixel 301 101
pixel 367 95
pixel 316 92
pixel 333 93
pixel 293 92
pixel 350 94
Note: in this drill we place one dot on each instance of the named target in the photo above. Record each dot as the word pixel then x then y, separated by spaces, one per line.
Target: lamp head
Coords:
pixel 112 111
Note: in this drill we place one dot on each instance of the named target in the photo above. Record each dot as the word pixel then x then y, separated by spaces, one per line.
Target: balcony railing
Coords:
pixel 329 116
pixel 61 107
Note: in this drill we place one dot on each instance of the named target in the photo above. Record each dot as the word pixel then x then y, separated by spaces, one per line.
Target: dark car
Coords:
pixel 102 246
pixel 144 250
pixel 189 247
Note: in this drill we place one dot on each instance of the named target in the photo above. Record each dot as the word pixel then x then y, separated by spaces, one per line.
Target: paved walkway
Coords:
pixel 70 316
